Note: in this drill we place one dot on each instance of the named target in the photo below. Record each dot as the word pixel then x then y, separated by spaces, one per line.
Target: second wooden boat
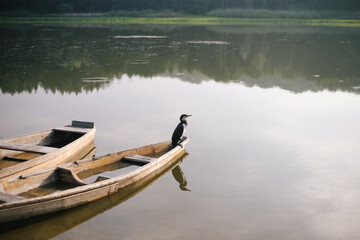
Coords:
pixel 76 183
pixel 45 149
pixel 51 225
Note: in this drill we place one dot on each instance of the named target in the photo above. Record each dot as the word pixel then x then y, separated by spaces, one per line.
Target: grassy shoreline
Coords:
pixel 188 20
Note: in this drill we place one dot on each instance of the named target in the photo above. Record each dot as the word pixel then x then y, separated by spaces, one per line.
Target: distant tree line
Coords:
pixel 184 6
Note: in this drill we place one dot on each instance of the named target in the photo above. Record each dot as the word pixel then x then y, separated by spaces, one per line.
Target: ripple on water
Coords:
pixel 140 36
pixel 209 42
pixel 95 79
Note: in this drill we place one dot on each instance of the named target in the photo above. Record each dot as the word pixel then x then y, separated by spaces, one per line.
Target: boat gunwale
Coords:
pixel 16 170
pixel 105 183
pixel 14 140
pixel 26 135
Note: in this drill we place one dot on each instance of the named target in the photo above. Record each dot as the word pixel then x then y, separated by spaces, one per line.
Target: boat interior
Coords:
pixel 24 148
pixel 82 172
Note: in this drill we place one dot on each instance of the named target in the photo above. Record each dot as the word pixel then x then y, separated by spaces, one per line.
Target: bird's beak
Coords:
pixel 188 115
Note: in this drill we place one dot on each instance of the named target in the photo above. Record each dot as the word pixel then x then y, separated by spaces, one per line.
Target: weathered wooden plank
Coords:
pixel 6 197
pixel 28 181
pixel 26 147
pixel 68 176
pixel 72 129
pixel 138 159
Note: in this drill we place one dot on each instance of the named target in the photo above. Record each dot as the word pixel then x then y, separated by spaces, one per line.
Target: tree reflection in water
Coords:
pixel 72 59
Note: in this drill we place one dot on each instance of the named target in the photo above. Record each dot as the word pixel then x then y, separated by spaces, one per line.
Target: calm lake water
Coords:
pixel 274 137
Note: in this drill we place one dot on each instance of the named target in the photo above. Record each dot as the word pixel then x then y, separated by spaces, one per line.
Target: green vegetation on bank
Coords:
pixel 288 14
pixel 184 21
pixel 198 7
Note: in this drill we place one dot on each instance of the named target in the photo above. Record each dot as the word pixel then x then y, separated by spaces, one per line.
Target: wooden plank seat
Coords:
pixel 138 159
pixel 7 197
pixel 72 129
pixel 26 147
pixel 77 127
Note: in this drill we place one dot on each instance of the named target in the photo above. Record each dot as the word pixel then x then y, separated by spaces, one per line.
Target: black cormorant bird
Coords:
pixel 179 130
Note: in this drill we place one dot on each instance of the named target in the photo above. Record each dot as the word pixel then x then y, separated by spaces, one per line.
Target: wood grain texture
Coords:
pixel 73 150
pixel 26 147
pixel 69 198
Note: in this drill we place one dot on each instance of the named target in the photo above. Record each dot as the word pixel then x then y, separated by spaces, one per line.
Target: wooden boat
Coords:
pixel 66 186
pixel 51 225
pixel 45 149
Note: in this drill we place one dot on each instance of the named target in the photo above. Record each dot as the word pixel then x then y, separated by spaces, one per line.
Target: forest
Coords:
pixel 198 7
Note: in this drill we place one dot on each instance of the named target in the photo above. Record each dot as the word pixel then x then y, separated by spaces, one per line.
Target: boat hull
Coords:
pixel 28 208
pixel 76 149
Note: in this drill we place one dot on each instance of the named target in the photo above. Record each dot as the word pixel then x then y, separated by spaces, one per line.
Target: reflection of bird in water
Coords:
pixel 179 130
pixel 180 178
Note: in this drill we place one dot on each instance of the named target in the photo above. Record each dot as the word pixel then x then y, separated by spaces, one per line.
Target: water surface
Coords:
pixel 274 137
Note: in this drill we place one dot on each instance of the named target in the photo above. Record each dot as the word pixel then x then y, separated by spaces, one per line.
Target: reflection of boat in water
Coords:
pixel 51 225
pixel 45 149
pixel 64 187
